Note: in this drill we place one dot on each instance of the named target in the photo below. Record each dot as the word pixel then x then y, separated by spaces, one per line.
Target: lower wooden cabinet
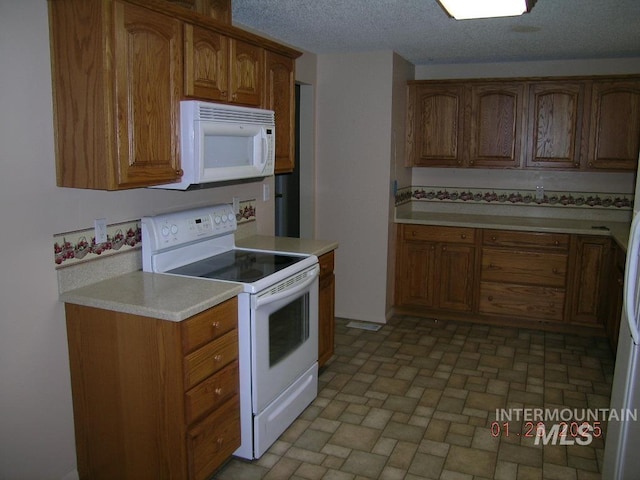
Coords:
pixel 533 279
pixel 326 314
pixel 436 267
pixel 615 286
pixel 154 399
pixel 590 259
pixel 524 275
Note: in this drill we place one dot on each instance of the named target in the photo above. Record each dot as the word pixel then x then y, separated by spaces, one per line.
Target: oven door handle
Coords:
pixel 270 298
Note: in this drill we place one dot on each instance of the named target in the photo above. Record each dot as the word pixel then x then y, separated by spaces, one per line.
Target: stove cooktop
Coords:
pixel 243 266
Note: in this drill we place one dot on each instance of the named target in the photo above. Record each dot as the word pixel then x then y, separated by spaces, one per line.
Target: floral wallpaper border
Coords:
pixel 550 199
pixel 71 248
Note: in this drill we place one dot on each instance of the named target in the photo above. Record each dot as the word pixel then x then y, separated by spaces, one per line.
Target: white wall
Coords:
pixel 354 119
pixel 36 424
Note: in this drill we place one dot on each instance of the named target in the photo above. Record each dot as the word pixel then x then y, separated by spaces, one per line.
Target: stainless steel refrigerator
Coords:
pixel 621 454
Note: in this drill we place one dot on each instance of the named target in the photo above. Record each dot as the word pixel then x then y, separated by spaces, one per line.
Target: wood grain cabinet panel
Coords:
pixel 615 125
pixel 436 267
pixel 556 124
pixel 435 125
pixel 496 124
pixel 524 267
pixel 326 314
pixel 280 97
pixel 142 407
pixel 246 75
pixel 117 83
pixel 206 64
pixel 522 301
pixel 590 271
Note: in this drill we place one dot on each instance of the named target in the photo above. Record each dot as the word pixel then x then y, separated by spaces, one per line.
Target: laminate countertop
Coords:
pixel 174 298
pixel 619 231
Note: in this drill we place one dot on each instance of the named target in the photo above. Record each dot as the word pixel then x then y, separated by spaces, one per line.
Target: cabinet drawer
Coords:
pixel 213 440
pixel 212 392
pixel 209 325
pixel 541 303
pixel 209 359
pixel 438 234
pixel 326 263
pixel 509 238
pixel 528 267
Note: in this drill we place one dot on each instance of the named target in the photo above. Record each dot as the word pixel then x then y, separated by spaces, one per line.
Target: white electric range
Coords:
pixel 277 313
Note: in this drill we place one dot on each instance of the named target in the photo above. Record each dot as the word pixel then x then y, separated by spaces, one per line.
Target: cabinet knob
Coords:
pixel 414 233
pixel 215 325
pixel 179 172
pixel 463 236
pixel 217 358
pixel 491 265
pixel 490 298
pixel 493 238
pixel 218 391
pixel 444 248
pixel 556 243
pixel 223 94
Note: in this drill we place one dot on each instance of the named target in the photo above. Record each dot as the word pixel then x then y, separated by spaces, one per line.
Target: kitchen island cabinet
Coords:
pixel 154 398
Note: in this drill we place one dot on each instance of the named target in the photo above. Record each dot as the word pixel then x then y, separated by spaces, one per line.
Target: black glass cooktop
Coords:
pixel 238 266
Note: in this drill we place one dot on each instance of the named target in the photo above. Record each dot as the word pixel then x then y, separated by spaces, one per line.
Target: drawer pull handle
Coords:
pixel 218 391
pixel 217 358
pixel 215 325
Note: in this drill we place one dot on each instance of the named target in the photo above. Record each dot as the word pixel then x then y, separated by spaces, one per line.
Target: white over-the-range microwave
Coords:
pixel 220 143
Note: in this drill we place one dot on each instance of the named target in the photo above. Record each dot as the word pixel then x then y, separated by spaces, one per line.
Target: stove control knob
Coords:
pixel 231 217
pixel 165 230
pixel 174 229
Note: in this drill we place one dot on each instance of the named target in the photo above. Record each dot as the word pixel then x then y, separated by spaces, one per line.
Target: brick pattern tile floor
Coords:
pixel 422 399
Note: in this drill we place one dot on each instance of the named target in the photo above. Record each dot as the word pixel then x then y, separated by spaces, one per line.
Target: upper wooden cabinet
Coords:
pixel 586 123
pixel 615 125
pixel 280 97
pixel 120 69
pixel 495 125
pixel 222 69
pixel 555 124
pixel 436 125
pixel 117 83
pixel 206 63
pixel 219 10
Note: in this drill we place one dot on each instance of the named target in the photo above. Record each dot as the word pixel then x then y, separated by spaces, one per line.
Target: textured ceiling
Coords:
pixel 422 33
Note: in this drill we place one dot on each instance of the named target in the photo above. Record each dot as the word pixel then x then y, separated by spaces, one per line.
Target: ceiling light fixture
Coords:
pixel 467 9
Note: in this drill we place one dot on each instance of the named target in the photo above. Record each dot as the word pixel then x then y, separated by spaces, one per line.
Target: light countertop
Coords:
pixel 619 231
pixel 175 298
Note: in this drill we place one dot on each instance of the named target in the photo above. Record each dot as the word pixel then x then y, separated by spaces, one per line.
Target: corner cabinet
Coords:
pixel 154 398
pixel 117 83
pixel 326 309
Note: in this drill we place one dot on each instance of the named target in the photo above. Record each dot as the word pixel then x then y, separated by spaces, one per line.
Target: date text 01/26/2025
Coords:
pixel 562 433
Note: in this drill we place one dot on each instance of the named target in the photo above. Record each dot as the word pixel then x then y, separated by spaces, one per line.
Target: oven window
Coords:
pixel 288 329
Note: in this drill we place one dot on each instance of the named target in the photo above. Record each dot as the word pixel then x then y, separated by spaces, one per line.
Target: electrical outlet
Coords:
pixel 100 227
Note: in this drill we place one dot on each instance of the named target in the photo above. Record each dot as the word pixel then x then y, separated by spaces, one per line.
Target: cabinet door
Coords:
pixel 148 66
pixel 614 296
pixel 417 274
pixel 614 139
pixel 247 63
pixel 495 125
pixel 456 280
pixel 590 269
pixel 555 124
pixel 280 97
pixel 435 125
pixel 206 64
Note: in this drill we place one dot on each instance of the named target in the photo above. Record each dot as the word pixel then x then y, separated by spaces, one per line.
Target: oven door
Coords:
pixel 284 333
